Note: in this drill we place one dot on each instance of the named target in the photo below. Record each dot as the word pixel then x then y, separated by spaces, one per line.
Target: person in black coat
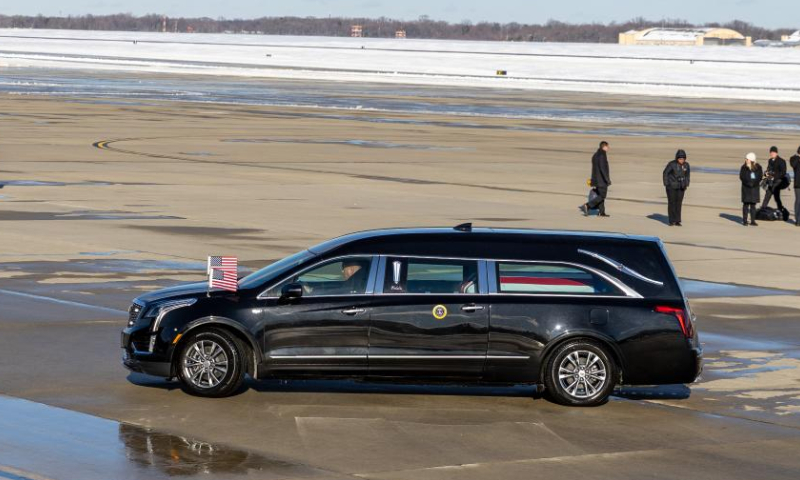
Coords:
pixel 601 179
pixel 777 179
pixel 795 163
pixel 677 176
pixel 750 175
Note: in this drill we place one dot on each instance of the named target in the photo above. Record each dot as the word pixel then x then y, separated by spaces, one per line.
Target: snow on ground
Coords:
pixel 718 72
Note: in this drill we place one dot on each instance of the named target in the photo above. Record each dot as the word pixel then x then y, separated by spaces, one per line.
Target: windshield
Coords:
pixel 269 272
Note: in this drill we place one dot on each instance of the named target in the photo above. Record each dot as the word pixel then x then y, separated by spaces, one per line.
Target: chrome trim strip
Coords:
pixel 621 267
pixel 315 357
pixel 400 357
pixel 166 307
pixel 429 357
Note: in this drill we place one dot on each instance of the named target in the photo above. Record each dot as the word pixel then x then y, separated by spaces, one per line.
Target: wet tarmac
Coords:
pixel 65 286
pixel 742 419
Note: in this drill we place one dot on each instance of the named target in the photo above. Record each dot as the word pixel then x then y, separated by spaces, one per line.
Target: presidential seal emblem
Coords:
pixel 439 312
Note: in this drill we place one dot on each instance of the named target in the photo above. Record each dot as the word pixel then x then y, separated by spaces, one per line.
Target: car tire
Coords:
pixel 211 364
pixel 580 373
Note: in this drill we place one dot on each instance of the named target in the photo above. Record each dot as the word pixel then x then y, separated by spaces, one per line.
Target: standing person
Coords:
pixel 601 179
pixel 676 181
pixel 776 175
pixel 795 163
pixel 750 175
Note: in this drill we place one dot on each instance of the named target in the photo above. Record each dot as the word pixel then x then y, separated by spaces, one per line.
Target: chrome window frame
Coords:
pixel 494 283
pixel 370 289
pixel 487 278
pixel 621 267
pixel 483 286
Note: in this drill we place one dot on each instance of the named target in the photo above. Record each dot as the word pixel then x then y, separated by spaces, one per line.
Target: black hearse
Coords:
pixel 574 313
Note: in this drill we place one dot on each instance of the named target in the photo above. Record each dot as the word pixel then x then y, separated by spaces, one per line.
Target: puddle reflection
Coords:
pixel 178 456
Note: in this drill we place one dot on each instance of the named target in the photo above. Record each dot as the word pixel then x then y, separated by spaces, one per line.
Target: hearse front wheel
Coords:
pixel 210 364
pixel 580 373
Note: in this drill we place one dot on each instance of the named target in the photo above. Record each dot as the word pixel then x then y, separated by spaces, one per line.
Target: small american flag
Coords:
pixel 223 273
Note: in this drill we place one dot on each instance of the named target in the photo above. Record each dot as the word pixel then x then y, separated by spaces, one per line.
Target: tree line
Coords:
pixel 423 27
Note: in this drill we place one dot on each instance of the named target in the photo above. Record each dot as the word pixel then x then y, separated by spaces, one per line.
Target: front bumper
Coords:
pixel 155 368
pixel 156 364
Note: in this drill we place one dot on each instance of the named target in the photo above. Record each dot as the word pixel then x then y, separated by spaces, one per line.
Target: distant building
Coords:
pixel 795 37
pixel 684 36
pixel 400 34
pixel 356 31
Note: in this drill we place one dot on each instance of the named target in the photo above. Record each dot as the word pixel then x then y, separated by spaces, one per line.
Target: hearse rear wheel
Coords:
pixel 580 373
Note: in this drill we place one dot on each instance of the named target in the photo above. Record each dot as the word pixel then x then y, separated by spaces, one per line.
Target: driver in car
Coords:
pixel 354 276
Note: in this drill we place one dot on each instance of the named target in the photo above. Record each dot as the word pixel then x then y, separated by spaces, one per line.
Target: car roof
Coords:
pixel 466 230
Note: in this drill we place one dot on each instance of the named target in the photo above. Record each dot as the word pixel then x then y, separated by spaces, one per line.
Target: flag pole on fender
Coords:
pixel 222 273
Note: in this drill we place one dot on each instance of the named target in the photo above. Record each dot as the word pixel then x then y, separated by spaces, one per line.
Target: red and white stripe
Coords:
pixel 543 284
pixel 224 280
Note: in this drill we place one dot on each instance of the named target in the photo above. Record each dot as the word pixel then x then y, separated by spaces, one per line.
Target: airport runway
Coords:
pixel 105 200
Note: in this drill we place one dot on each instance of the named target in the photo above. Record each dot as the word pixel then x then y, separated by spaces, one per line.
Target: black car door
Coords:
pixel 429 319
pixel 326 329
pixel 533 303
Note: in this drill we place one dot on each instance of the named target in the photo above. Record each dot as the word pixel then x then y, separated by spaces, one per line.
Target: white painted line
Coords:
pixel 63 302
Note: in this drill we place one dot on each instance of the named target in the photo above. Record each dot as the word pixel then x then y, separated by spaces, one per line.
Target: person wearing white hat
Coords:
pixel 750 175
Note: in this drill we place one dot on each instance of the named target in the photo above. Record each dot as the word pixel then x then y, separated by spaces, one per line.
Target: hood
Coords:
pixel 174 293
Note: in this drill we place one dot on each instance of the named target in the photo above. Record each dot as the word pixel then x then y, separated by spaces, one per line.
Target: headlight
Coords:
pixel 159 310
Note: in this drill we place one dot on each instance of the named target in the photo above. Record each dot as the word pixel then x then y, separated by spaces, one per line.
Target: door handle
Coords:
pixel 353 311
pixel 472 308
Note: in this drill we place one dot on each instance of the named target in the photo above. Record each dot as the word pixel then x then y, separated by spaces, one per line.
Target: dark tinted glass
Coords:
pixel 431 276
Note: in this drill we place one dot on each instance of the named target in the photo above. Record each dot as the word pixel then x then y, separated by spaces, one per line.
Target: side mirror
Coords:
pixel 291 291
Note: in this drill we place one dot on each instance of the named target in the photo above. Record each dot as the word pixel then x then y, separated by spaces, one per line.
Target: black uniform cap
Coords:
pixel 680 154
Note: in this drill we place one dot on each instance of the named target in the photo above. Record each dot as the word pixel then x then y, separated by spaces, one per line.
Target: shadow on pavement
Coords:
pixel 353 386
pixel 660 392
pixel 732 218
pixel 659 218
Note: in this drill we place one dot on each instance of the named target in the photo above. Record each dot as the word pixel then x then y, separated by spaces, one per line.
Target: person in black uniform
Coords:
pixel 777 180
pixel 795 163
pixel 601 180
pixel 676 181
pixel 750 175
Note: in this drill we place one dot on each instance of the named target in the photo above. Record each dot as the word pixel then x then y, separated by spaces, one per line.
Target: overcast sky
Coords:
pixel 767 13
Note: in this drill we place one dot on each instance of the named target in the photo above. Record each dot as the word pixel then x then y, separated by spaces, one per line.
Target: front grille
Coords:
pixel 133 314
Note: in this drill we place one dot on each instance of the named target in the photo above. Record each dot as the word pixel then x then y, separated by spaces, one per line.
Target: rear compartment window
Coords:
pixel 646 259
pixel 536 278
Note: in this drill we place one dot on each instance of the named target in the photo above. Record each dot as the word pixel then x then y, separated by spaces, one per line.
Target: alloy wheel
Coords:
pixel 582 374
pixel 205 364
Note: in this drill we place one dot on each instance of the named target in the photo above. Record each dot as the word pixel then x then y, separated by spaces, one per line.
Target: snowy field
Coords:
pixel 713 72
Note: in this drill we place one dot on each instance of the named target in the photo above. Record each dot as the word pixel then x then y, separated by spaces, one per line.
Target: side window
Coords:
pixel 431 276
pixel 347 276
pixel 551 278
